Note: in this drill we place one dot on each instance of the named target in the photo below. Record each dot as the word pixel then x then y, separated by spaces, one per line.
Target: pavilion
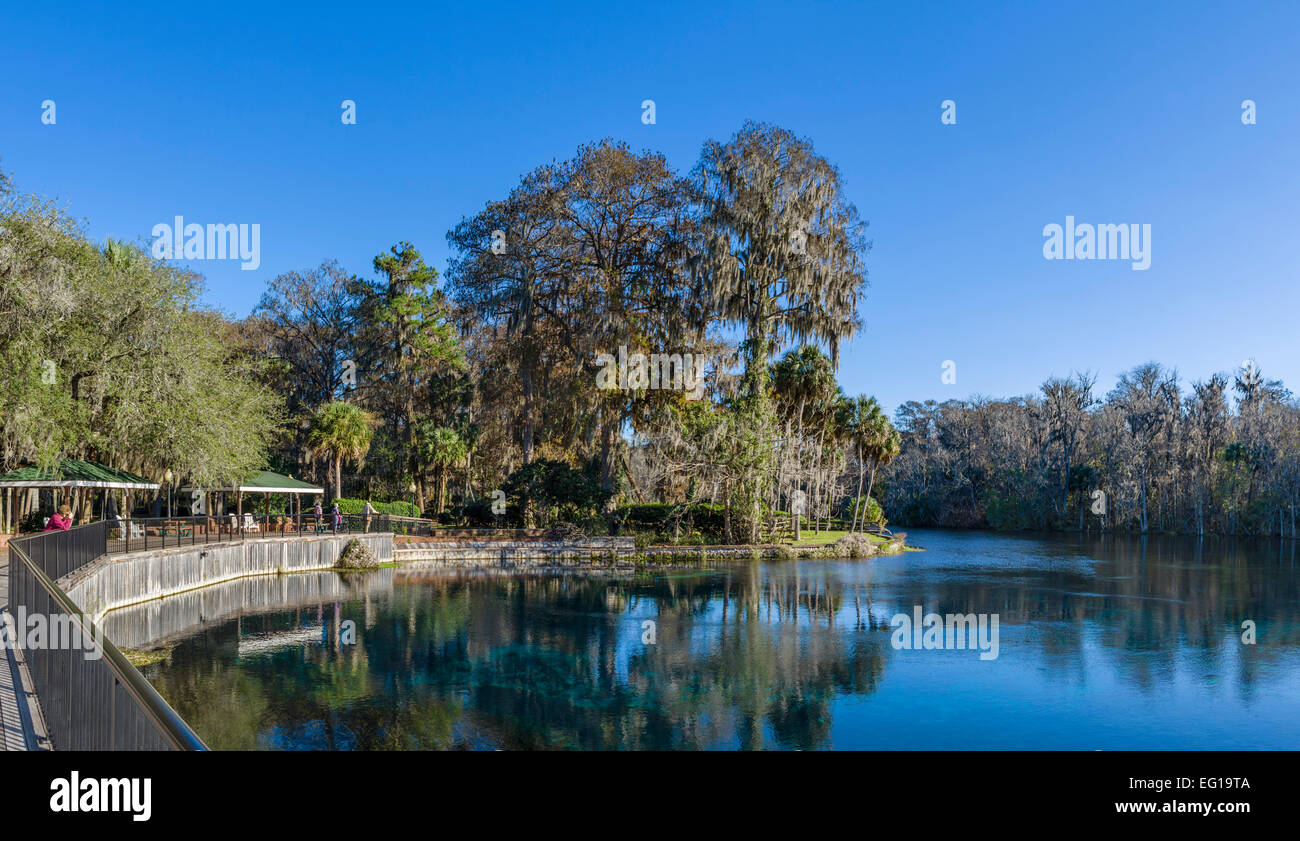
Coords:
pixel 78 479
pixel 264 482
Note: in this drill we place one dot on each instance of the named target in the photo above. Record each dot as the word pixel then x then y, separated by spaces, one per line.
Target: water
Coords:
pixel 1103 644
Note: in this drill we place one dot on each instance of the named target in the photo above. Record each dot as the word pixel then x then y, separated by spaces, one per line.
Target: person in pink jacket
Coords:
pixel 61 521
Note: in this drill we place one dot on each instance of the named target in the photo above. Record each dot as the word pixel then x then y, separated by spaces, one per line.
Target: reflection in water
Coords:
pixel 1105 643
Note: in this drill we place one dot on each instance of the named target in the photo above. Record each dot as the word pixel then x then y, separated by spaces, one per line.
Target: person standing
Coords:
pixel 369 511
pixel 316 514
pixel 337 516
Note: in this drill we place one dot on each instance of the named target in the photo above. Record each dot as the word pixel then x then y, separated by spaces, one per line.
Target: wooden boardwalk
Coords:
pixel 17 712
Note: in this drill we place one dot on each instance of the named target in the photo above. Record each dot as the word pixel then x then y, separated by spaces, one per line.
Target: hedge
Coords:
pixel 396 509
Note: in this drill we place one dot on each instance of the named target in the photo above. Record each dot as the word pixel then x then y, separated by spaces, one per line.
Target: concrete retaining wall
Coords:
pixel 151 623
pixel 516 553
pixel 116 581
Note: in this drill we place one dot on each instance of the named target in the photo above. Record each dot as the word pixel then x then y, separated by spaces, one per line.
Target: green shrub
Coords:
pixel 397 508
pixel 868 510
pixel 34 521
pixel 556 491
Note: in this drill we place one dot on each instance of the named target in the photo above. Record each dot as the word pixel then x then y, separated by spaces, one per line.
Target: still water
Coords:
pixel 1104 643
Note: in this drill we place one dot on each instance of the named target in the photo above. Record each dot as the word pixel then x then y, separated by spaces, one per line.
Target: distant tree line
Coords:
pixel 1221 456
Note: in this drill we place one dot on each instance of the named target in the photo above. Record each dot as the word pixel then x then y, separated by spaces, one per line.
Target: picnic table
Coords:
pixel 174 528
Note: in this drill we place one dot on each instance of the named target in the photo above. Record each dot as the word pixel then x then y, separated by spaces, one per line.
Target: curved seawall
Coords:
pixel 117 581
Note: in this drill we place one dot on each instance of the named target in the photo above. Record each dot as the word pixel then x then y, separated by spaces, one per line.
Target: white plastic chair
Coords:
pixel 250 524
pixel 133 530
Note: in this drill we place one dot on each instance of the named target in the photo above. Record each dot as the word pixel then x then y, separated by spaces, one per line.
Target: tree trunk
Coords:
pixel 870 483
pixel 609 433
pixel 1144 499
pixel 526 376
pixel 857 499
pixel 726 513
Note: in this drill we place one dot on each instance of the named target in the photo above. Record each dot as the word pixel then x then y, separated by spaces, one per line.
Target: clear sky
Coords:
pixel 1109 112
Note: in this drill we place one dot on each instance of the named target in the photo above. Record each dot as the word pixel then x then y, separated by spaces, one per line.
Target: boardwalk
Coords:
pixel 16 728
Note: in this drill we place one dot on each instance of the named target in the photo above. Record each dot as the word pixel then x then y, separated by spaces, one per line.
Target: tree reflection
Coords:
pixel 746 656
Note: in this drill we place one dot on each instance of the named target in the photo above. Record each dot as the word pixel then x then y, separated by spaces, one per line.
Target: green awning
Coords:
pixel 266 482
pixel 74 473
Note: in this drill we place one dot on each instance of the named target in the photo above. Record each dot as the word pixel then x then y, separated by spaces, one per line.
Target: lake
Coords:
pixel 1103 643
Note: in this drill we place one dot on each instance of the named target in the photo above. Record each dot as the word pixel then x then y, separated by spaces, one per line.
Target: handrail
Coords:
pixel 167 721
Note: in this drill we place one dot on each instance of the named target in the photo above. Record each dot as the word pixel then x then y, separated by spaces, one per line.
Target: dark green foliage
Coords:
pixel 398 509
pixel 555 491
pixel 664 519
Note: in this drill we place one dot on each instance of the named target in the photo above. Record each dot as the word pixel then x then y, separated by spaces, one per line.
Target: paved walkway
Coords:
pixel 16 714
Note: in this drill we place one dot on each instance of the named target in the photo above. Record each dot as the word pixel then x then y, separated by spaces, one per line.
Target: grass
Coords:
pixel 826 537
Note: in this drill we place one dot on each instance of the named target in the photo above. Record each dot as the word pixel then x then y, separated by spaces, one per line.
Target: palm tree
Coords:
pixel 442 448
pixel 118 254
pixel 340 431
pixel 837 421
pixel 883 448
pixel 864 424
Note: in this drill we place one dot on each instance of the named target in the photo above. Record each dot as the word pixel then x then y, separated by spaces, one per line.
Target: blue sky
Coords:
pixel 1109 112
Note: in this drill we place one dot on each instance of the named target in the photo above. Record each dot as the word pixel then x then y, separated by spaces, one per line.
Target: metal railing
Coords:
pixel 91 697
pixel 95 699
pixel 136 534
